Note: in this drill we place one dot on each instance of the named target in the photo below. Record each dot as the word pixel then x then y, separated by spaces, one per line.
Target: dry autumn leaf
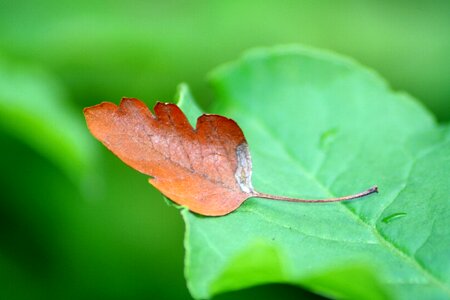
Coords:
pixel 207 169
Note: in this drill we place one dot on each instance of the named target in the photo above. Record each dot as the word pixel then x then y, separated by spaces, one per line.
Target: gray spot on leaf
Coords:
pixel 243 172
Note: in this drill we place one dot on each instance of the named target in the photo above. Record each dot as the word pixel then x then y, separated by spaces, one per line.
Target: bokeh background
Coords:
pixel 75 222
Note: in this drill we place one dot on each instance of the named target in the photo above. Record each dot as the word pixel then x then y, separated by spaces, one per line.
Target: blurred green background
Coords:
pixel 75 222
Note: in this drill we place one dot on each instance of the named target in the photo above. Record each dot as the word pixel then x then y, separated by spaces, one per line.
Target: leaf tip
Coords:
pixel 126 101
pixel 101 106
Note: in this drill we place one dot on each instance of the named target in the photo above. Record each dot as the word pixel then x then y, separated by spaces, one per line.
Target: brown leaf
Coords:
pixel 207 169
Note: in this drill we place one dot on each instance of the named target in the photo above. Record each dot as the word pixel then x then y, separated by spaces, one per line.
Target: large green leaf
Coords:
pixel 319 126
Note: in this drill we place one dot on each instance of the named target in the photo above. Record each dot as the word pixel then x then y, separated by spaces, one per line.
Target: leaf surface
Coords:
pixel 319 125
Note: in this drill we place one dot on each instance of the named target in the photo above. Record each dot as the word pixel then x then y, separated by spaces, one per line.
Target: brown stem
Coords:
pixel 372 190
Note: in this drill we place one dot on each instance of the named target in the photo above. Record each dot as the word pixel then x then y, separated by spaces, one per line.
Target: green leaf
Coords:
pixel 319 125
pixel 34 109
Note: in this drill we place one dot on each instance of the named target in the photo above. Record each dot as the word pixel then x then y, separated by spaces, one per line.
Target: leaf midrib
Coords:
pixel 383 240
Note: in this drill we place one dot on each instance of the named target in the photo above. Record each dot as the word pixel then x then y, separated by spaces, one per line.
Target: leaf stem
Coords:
pixel 372 190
